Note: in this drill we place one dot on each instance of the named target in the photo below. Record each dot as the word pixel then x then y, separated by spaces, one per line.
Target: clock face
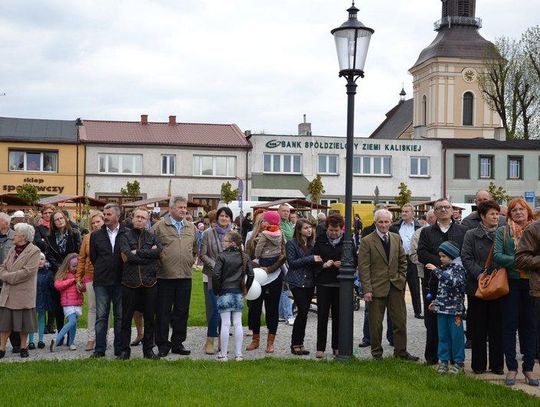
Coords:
pixel 469 75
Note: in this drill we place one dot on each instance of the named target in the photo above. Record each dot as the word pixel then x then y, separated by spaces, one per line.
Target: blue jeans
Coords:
pixel 451 339
pixel 213 317
pixel 285 305
pixel 518 316
pixel 41 316
pixel 70 327
pixel 104 296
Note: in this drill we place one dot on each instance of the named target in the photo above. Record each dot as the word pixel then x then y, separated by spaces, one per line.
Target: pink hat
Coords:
pixel 272 217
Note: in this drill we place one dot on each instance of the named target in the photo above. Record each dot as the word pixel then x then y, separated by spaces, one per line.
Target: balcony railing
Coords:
pixel 457 20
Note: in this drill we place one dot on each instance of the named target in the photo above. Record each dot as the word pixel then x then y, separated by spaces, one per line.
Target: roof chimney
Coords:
pixel 304 129
pixel 172 120
pixel 144 119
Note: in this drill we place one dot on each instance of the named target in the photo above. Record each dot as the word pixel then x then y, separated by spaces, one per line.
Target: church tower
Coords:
pixel 448 102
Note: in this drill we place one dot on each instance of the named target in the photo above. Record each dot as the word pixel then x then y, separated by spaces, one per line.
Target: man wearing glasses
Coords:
pixel 431 237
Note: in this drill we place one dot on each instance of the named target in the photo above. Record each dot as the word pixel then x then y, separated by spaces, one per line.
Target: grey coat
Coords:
pixel 5 244
pixel 210 249
pixel 474 252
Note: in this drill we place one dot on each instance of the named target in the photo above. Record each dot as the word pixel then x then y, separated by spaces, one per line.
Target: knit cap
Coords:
pixel 450 249
pixel 272 217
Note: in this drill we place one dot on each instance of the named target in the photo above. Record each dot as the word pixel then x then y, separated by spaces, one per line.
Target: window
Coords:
pixel 468 103
pixel 283 163
pixel 461 166
pixel 463 8
pixel 371 165
pixel 515 164
pixel 120 163
pixel 419 167
pixel 38 161
pixel 328 164
pixel 214 166
pixel 168 164
pixel 486 167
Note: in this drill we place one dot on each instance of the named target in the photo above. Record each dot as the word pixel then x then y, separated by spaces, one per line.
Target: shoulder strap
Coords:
pixel 218 243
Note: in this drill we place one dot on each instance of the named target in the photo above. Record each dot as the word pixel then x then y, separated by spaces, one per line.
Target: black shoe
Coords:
pixel 24 353
pixel 16 349
pixel 378 357
pixel 117 353
pixel 431 362
pixel 391 343
pixel 364 344
pixel 468 344
pixel 409 357
pixel 498 372
pixel 136 342
pixel 97 355
pixel 150 355
pixel 419 316
pixel 476 371
pixel 123 356
pixel 2 353
pixel 31 346
pixel 40 345
pixel 163 353
pixel 181 350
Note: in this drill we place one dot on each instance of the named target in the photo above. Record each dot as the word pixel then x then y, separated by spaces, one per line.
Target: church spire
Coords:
pixel 458 12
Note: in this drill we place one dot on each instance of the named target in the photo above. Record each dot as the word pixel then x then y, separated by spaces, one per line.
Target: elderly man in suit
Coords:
pixel 382 265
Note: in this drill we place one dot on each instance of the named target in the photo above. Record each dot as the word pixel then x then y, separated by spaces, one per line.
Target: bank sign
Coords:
pixel 337 145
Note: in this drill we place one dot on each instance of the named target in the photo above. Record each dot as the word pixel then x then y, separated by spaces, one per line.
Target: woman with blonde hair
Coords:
pixel 85 277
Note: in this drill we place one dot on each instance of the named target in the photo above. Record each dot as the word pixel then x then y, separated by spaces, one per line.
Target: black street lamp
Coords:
pixel 352 43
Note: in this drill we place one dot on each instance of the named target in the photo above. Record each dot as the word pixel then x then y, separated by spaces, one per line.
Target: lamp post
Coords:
pixel 352 43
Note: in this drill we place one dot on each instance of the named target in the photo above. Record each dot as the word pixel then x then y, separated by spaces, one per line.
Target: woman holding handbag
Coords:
pixel 517 306
pixel 483 316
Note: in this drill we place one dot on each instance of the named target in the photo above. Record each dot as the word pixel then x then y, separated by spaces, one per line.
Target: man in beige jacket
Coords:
pixel 179 239
pixel 382 266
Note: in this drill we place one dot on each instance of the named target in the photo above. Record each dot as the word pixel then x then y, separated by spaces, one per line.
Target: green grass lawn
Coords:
pixel 197 313
pixel 266 381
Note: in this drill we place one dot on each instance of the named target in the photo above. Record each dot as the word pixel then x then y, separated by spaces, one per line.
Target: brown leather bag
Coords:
pixel 493 282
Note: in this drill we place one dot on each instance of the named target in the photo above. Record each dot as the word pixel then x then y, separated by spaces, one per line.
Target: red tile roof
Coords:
pixel 179 134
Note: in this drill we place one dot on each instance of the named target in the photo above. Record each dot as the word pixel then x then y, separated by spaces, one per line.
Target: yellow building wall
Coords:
pixel 63 182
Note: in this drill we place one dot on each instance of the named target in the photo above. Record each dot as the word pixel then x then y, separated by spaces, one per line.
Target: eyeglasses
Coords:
pixel 445 208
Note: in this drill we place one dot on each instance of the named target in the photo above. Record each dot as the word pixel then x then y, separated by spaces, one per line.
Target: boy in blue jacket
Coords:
pixel 449 306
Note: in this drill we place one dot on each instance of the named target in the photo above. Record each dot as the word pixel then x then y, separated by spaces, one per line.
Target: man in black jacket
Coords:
pixel 445 229
pixel 405 228
pixel 140 252
pixel 105 256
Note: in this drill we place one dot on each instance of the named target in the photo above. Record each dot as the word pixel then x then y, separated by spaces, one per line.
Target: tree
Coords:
pixel 228 194
pixel 404 195
pixel 132 190
pixel 28 193
pixel 510 85
pixel 316 189
pixel 498 194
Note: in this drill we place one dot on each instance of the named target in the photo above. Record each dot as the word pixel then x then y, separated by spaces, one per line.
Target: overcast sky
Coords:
pixel 258 63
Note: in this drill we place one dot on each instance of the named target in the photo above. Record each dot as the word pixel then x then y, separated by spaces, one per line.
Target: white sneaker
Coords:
pixel 72 347
pixel 221 358
pixel 239 358
pixel 290 321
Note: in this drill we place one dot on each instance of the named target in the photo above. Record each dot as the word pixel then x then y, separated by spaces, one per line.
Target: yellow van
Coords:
pixel 365 211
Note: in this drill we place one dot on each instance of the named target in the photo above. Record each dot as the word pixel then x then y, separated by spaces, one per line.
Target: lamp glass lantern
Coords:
pixel 352 42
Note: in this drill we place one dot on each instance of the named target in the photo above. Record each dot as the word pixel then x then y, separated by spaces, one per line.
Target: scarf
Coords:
pixel 516 231
pixel 334 242
pixel 222 231
pixel 61 240
pixel 20 249
pixel 45 223
pixel 490 232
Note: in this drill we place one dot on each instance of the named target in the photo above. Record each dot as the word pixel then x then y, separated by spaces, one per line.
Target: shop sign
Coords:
pixel 337 145
pixel 53 189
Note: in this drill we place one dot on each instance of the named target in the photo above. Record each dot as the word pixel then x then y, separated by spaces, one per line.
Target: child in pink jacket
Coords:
pixel 70 298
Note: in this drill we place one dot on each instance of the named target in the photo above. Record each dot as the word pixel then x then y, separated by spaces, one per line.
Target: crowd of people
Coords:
pixel 142 267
